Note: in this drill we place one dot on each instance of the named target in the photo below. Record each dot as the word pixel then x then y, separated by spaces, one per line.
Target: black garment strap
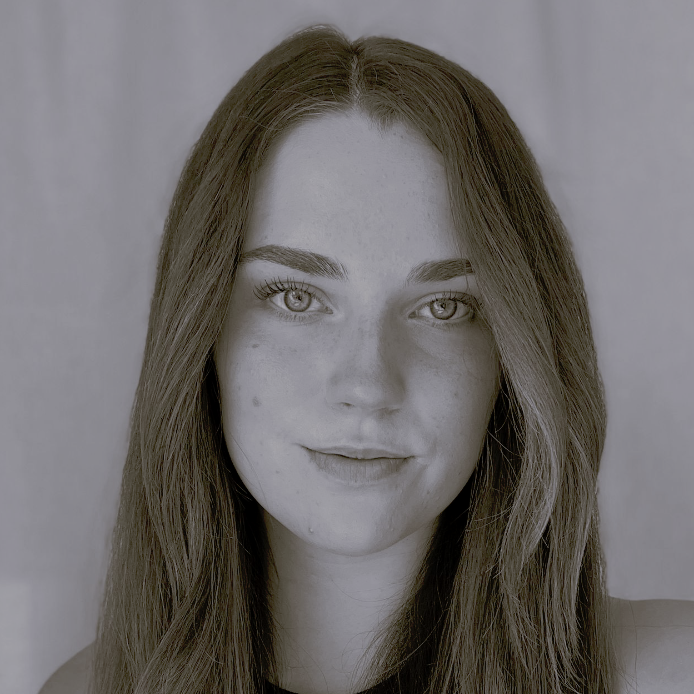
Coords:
pixel 274 689
pixel 386 687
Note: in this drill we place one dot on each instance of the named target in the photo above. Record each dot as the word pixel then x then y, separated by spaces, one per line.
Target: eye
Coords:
pixel 451 308
pixel 291 297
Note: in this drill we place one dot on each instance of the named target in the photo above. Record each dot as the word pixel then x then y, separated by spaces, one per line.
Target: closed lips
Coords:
pixel 361 453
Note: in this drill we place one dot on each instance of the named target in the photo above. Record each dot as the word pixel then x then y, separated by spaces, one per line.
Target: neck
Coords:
pixel 329 609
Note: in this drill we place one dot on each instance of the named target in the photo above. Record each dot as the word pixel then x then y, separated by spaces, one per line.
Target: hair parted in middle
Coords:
pixel 511 596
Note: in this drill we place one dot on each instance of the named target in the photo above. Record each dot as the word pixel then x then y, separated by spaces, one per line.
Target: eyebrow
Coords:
pixel 439 270
pixel 323 266
pixel 304 261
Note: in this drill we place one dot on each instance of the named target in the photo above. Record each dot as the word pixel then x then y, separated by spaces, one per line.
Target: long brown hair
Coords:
pixel 512 594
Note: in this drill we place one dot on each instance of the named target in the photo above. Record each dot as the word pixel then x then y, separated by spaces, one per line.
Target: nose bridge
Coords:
pixel 366 368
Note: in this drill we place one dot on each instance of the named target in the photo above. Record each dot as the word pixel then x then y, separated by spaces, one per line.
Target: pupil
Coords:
pixel 444 308
pixel 297 300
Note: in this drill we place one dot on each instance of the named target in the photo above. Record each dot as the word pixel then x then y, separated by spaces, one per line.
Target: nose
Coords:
pixel 366 369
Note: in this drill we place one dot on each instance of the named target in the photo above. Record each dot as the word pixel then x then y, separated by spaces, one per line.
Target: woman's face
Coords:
pixel 356 381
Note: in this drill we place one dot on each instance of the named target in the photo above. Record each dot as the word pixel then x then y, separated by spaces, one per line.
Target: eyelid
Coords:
pixel 464 297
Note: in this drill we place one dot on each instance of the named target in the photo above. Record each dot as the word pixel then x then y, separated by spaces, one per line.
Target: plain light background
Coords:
pixel 99 104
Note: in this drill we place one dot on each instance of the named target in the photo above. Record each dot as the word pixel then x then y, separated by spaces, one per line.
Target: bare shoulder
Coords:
pixel 654 640
pixel 73 676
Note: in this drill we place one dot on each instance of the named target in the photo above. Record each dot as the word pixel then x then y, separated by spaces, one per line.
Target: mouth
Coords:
pixel 356 467
pixel 363 453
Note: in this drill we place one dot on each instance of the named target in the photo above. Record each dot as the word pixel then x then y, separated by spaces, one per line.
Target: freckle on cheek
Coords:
pixel 256 402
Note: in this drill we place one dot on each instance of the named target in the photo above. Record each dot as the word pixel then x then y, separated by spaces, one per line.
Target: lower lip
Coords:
pixel 356 471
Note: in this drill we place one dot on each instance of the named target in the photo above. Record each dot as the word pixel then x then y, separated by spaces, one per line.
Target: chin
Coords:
pixel 351 545
pixel 356 539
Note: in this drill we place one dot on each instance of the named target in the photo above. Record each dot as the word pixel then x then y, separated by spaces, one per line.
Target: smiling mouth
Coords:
pixel 357 470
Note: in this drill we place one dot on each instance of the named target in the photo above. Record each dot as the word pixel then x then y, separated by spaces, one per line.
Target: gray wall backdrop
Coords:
pixel 100 102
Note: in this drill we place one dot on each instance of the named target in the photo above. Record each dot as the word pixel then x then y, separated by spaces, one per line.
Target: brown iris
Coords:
pixel 443 309
pixel 297 300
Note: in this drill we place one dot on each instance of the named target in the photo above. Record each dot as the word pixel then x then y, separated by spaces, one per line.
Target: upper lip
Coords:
pixel 359 452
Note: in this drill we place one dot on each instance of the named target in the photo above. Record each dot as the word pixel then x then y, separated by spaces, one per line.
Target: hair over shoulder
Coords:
pixel 512 595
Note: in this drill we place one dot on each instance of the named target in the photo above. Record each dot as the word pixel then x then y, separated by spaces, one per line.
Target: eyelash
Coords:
pixel 271 288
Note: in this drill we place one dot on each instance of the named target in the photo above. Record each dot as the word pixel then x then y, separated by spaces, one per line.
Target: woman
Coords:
pixel 367 433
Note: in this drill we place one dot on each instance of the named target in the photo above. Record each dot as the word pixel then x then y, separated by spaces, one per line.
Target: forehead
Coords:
pixel 339 185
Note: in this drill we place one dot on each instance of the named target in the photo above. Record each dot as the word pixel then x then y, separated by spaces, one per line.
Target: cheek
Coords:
pixel 460 386
pixel 265 384
pixel 456 399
